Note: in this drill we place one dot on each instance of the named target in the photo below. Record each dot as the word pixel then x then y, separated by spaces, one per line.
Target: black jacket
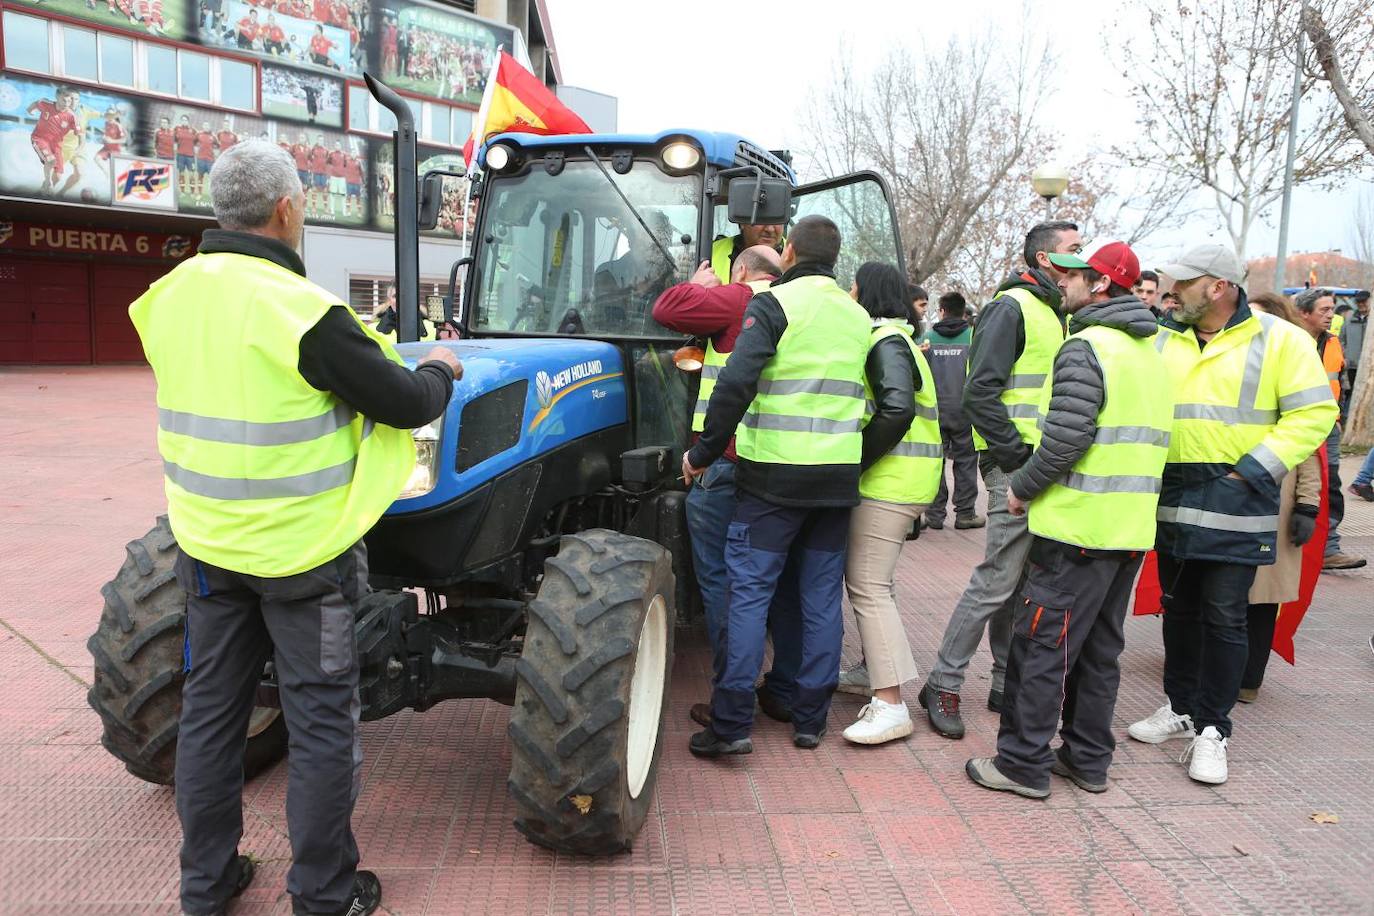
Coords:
pixel 1078 394
pixel 894 381
pixel 948 358
pixel 999 339
pixel 336 356
pixel 800 485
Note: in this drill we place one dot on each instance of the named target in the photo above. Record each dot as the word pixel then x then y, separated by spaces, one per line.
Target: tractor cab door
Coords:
pixel 861 206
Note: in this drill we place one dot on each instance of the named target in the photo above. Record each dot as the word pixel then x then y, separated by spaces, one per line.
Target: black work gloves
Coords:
pixel 1303 523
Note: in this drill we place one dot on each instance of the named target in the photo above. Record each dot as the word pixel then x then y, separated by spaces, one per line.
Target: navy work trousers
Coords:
pixel 1206 646
pixel 762 539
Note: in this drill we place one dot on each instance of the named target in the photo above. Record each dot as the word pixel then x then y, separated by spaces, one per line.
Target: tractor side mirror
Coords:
pixel 766 201
pixel 432 197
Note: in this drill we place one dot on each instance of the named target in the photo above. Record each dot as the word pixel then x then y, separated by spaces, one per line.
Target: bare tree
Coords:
pixel 1213 83
pixel 946 129
pixel 1352 30
pixel 1341 33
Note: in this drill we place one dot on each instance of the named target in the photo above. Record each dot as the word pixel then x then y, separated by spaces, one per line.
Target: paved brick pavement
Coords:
pixel 894 829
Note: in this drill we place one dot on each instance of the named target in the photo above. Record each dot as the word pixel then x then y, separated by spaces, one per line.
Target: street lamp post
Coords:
pixel 1049 181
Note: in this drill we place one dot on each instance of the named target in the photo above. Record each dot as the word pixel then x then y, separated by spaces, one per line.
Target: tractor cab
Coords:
pixel 578 235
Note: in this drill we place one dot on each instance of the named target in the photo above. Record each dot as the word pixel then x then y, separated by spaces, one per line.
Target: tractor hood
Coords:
pixel 517 400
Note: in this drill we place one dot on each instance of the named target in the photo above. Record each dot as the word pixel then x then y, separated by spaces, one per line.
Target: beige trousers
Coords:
pixel 877 531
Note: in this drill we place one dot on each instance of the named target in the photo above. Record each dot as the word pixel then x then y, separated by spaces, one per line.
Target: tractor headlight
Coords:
pixel 498 157
pixel 426 473
pixel 680 156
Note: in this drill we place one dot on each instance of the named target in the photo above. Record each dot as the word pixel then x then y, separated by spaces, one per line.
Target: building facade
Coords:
pixel 112 113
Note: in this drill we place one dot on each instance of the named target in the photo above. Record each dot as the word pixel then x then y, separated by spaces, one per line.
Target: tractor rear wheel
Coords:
pixel 139 652
pixel 587 725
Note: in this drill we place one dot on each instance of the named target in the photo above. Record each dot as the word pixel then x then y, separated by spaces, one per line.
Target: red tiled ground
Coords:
pixel 895 829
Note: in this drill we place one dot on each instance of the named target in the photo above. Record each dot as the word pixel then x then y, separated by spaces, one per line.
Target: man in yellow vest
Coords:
pixel 1252 402
pixel 707 308
pixel 726 249
pixel 284 428
pixel 1010 359
pixel 792 394
pixel 1090 492
pixel 1315 306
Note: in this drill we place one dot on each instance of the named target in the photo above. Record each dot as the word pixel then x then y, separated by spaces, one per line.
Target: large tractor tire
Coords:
pixel 587 725
pixel 139 652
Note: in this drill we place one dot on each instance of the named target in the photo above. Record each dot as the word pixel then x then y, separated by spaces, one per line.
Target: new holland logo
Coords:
pixel 543 387
pixel 546 386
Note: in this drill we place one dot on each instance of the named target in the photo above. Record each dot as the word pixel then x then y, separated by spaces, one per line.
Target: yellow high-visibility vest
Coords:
pixel 809 408
pixel 910 473
pixel 1029 374
pixel 1109 498
pixel 265 475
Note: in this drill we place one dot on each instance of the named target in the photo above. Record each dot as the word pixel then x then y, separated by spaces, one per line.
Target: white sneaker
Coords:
pixel 1208 753
pixel 1161 725
pixel 855 681
pixel 880 722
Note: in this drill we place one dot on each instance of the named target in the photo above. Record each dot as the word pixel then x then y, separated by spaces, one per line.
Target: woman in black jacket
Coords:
pixel 878 528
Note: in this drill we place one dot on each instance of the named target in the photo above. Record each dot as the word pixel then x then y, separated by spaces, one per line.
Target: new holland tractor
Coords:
pixel 539 555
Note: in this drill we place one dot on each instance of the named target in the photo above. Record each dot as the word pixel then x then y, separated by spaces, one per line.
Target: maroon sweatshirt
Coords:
pixel 715 312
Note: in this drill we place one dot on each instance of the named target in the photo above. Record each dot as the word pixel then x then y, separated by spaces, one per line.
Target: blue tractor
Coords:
pixel 539 555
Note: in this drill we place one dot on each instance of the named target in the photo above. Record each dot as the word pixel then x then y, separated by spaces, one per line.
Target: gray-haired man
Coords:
pixel 284 428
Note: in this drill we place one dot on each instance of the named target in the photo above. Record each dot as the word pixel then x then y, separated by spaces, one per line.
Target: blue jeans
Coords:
pixel 763 539
pixel 710 506
pixel 1366 473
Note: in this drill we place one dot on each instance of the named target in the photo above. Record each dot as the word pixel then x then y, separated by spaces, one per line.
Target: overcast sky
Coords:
pixel 746 66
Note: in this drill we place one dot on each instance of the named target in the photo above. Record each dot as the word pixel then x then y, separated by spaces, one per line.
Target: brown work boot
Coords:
pixel 701 714
pixel 962 522
pixel 1342 561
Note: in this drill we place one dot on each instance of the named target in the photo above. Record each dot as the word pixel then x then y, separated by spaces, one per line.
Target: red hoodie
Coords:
pixel 716 312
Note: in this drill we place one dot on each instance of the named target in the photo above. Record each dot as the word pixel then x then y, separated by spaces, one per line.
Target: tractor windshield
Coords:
pixel 563 254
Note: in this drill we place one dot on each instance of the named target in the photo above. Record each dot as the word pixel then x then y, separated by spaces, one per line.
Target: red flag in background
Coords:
pixel 516 100
pixel 1148 593
pixel 1291 614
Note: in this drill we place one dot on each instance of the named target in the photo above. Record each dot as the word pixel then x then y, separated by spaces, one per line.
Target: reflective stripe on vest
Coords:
pixel 1044 333
pixel 265 475
pixel 910 472
pixel 1109 499
pixel 810 405
pixel 711 365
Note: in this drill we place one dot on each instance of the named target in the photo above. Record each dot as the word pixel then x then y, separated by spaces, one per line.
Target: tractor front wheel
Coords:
pixel 139 653
pixel 587 725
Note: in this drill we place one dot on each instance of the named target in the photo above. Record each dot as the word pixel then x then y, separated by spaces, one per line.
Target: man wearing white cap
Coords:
pixel 1090 489
pixel 1252 403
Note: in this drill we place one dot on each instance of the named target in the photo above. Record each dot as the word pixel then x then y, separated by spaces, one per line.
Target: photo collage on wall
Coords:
pixel 74 142
pixel 433 52
pixel 451 216
pixel 57 141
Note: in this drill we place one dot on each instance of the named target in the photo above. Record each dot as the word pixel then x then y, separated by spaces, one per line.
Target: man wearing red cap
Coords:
pixel 1090 490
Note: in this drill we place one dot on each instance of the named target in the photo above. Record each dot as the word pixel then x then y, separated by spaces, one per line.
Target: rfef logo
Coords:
pixel 145 182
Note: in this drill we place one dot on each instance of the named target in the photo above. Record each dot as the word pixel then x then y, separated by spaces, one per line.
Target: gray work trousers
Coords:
pixel 1069 626
pixel 305 623
pixel 988 599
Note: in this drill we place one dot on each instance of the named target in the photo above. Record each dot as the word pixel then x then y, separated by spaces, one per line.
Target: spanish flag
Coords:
pixel 1312 277
pixel 515 100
